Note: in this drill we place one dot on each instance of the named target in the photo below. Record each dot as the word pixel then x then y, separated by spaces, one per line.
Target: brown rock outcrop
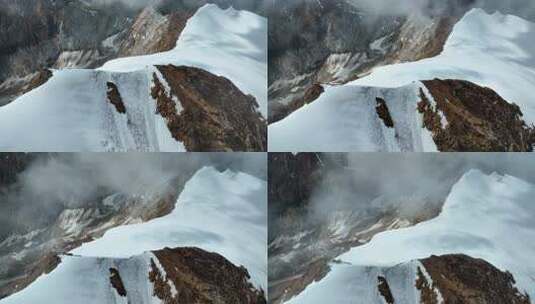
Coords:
pixel 478 119
pixel 201 277
pixel 214 114
pixel 462 279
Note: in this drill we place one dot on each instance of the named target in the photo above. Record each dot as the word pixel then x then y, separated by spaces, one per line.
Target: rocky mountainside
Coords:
pixel 25 257
pixel 393 248
pixel 431 115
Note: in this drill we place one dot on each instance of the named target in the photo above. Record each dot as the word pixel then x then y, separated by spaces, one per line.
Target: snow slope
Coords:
pixel 222 212
pixel 70 112
pixel 344 118
pixel 227 42
pixel 85 280
pixel 484 216
pixel 495 50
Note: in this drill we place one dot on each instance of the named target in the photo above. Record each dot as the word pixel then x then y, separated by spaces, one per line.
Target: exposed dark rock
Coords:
pixel 478 119
pixel 11 164
pixel 114 97
pixel 117 282
pixel 384 113
pixel 384 289
pixel 214 114
pixel 201 277
pixel 462 279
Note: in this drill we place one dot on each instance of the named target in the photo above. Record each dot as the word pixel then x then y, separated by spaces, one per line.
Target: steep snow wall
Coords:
pixel 345 118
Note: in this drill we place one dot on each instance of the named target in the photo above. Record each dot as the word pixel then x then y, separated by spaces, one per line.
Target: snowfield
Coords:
pixel 485 216
pixel 222 212
pixel 70 113
pixel 491 50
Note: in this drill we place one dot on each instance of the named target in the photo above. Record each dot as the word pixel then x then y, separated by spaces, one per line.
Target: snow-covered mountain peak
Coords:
pixel 478 218
pixel 225 42
pixel 496 32
pixel 487 62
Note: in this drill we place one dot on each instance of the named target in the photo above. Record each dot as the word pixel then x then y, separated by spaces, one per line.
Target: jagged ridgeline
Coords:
pixel 61 215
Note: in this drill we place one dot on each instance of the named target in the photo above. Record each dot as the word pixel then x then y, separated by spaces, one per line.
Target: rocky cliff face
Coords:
pixel 314 42
pixel 208 112
pixel 167 276
pixel 201 277
pixel 468 117
pixel 463 279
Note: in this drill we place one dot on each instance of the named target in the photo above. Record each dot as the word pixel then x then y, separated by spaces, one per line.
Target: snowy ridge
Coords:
pixel 344 118
pixel 71 113
pixel 221 212
pixel 493 51
pixel 502 205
